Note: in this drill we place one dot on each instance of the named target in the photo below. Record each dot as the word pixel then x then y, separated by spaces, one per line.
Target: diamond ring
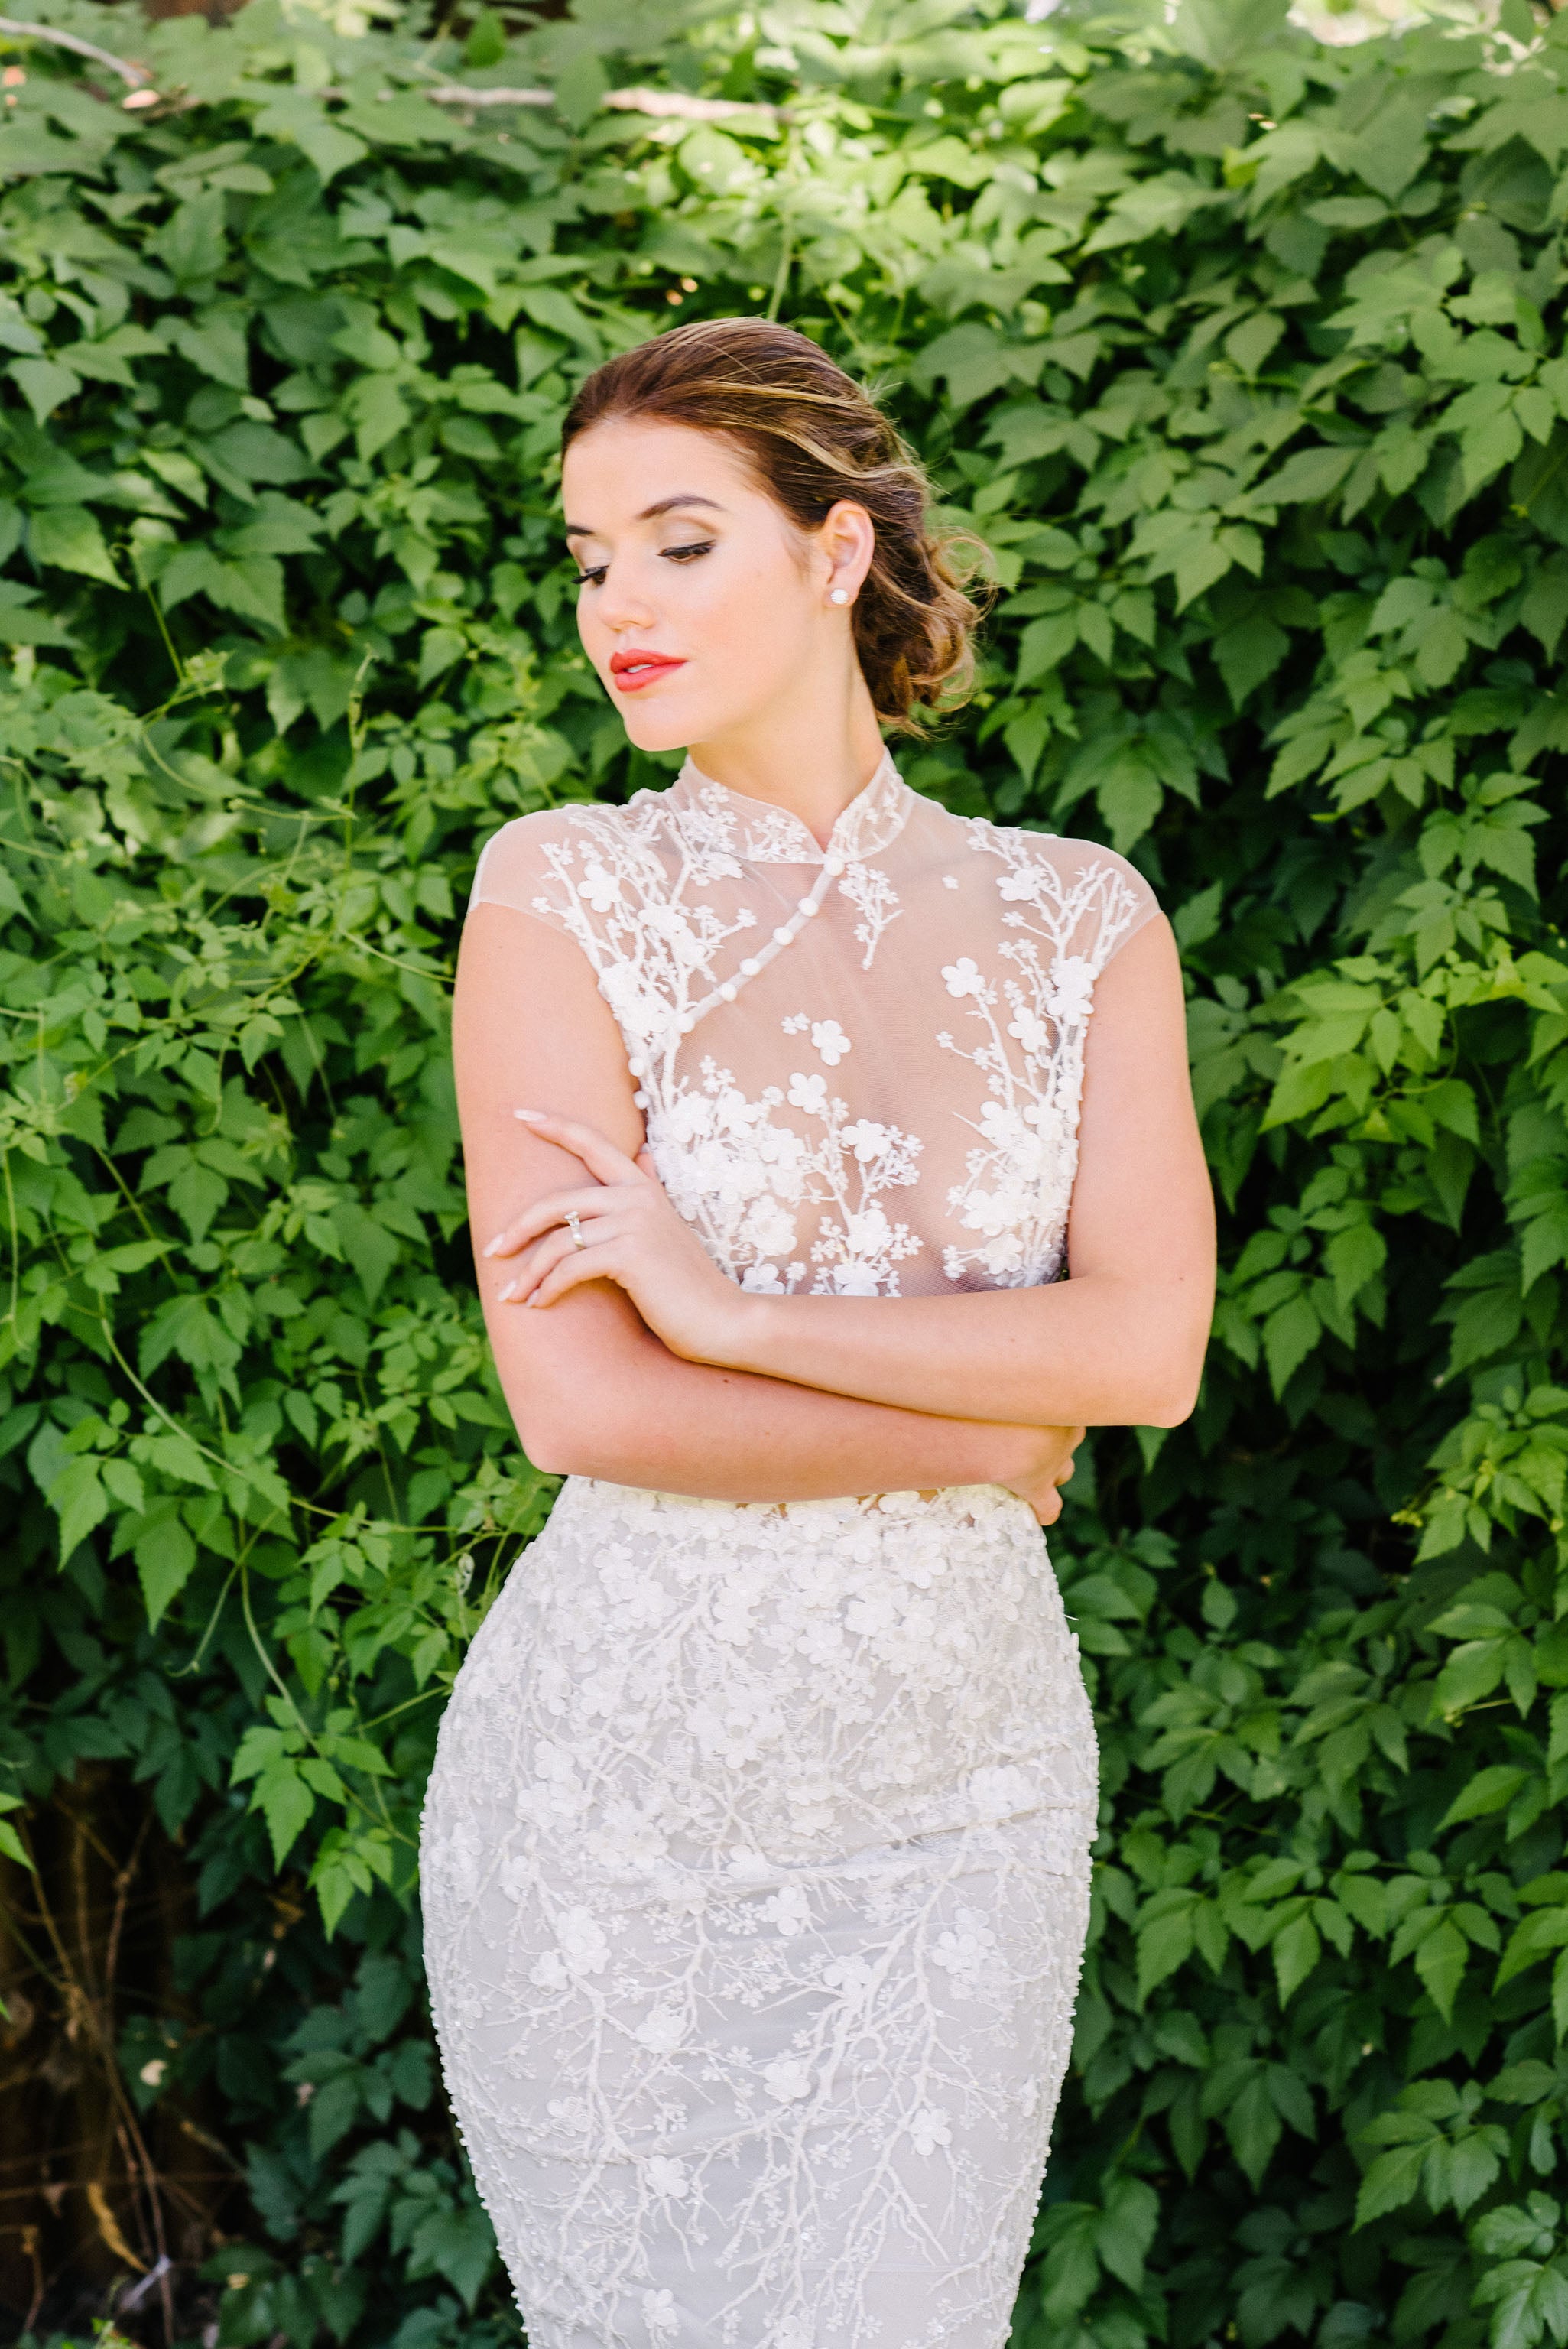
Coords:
pixel 575 1227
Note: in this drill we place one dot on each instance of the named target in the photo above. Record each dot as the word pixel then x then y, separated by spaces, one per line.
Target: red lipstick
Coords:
pixel 633 671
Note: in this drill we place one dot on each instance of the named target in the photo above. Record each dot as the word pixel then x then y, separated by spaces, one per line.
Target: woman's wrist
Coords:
pixel 1011 1452
pixel 736 1335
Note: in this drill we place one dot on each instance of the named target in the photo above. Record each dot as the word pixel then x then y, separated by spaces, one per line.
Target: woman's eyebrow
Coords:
pixel 649 514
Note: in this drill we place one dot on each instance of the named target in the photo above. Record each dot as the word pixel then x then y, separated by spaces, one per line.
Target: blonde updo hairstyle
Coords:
pixel 811 436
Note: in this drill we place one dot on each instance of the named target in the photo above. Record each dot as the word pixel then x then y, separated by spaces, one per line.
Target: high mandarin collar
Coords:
pixel 718 819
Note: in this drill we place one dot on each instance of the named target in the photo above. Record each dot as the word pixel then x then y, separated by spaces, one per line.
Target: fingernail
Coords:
pixel 492 1246
pixel 509 1292
pixel 532 1117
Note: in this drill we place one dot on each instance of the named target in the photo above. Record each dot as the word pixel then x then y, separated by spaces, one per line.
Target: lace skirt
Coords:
pixel 755 1867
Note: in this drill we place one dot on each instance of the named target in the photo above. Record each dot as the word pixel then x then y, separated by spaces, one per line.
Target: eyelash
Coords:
pixel 672 553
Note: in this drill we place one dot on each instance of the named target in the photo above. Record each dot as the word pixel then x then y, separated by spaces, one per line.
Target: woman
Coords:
pixel 755 1853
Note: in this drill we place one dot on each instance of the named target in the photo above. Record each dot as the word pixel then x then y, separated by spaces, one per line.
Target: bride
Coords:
pixel 756 1855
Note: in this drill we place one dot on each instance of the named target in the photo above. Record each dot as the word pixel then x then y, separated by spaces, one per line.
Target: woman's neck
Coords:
pixel 809 759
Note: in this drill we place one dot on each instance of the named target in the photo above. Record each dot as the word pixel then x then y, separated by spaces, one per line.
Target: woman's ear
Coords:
pixel 848 539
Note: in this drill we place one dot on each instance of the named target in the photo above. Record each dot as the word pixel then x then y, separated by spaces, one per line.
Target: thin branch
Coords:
pixel 136 76
pixel 453 93
pixel 676 103
pixel 122 1884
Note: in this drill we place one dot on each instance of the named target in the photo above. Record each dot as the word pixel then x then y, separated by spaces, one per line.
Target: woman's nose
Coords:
pixel 622 604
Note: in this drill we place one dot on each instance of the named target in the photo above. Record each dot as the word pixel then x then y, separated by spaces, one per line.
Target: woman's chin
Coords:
pixel 651 729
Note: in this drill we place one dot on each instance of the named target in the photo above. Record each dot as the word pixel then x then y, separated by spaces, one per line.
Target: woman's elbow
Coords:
pixel 1175 1393
pixel 555 1438
pixel 1172 1411
pixel 563 1438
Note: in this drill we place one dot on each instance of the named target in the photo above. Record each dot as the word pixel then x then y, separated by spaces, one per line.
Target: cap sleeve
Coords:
pixel 1087 900
pixel 530 866
pixel 1105 900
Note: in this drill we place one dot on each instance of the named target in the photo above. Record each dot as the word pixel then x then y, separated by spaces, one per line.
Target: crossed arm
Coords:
pixel 636 1359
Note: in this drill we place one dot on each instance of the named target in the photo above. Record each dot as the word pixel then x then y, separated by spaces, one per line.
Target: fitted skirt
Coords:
pixel 755 1868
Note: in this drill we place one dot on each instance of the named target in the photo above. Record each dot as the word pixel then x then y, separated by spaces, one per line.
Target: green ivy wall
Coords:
pixel 1246 358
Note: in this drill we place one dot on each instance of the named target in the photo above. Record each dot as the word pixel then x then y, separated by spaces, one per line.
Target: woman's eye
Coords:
pixel 591 578
pixel 688 553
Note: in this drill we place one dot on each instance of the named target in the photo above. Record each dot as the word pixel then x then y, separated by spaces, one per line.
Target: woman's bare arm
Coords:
pixel 1121 1343
pixel 592 1390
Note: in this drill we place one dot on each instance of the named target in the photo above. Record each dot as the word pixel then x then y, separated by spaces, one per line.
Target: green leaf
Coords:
pixel 68 537
pixel 45 384
pixel 1545 607
pixel 1539 1935
pixel 1308 477
pixel 1247 654
pixel 77 1496
pixel 1392 2179
pixel 377 410
pixel 369 1247
pixel 1296 1950
pixel 1125 2234
pixel 1440 1962
pixel 1129 798
pixel 1045 644
pixel 217 342
pixel 1290 1333
pixel 165 1560
pixel 196 1195
pixel 1490 1790
pixel 1252 2126
pixel 192 242
pixel 486 43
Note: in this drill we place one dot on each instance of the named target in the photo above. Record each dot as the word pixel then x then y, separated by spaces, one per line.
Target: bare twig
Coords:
pixel 139 2291
pixel 453 93
pixel 109 2227
pixel 30 2252
pixel 191 2129
pixel 124 1878
pixel 675 103
pixel 136 76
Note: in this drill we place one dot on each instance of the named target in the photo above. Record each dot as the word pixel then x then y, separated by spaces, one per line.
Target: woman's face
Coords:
pixel 701 606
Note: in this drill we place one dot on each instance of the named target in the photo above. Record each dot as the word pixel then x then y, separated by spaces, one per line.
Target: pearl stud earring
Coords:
pixel 840 595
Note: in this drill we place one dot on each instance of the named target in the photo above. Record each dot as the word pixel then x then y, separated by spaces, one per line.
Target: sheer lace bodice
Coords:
pixel 861 1067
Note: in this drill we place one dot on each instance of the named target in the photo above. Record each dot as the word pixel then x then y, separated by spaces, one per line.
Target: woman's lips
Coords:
pixel 633 670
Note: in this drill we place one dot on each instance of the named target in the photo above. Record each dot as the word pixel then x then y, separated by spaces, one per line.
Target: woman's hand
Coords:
pixel 1048 1465
pixel 625 1231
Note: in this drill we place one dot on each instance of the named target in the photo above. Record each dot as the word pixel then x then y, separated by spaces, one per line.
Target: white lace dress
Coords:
pixel 754 1856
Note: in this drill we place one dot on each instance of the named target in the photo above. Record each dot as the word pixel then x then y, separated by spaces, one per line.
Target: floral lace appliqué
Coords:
pixel 746 1182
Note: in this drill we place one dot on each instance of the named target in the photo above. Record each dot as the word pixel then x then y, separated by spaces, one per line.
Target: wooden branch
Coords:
pixel 674 102
pixel 453 93
pixel 136 76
